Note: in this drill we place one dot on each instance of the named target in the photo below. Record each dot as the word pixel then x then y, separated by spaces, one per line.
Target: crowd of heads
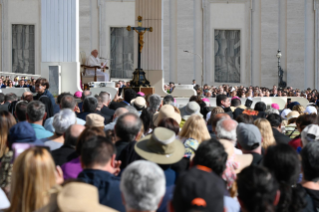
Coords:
pixel 137 152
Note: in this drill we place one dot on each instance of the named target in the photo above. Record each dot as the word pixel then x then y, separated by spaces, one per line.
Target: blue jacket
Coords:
pixel 56 107
pixel 108 186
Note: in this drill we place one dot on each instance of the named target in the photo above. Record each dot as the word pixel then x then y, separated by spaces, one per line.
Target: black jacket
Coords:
pixel 107 112
pixel 280 138
pixel 64 154
pixel 115 105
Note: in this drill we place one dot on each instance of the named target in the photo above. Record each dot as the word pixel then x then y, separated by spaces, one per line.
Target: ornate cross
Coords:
pixel 140 31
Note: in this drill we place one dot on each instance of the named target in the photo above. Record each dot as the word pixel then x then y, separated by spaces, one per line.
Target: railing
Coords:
pixel 13 75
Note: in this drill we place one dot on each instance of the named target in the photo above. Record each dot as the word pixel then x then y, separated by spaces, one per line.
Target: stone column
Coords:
pixel 4 37
pixel 309 44
pixel 255 43
pixel 152 54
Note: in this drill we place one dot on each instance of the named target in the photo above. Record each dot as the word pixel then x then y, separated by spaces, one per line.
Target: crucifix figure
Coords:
pixel 139 75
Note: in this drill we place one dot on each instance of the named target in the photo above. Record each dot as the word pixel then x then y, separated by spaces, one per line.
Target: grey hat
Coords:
pixel 248 136
pixel 190 109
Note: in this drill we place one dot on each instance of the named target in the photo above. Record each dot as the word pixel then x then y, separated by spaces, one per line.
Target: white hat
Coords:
pixel 310 110
pixel 284 113
pixel 232 89
pixel 310 134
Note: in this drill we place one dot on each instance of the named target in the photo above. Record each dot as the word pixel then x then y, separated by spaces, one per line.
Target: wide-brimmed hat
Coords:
pixel 167 111
pixel 75 196
pixel 161 147
pixel 94 120
pixel 139 102
pixel 190 109
pixel 293 114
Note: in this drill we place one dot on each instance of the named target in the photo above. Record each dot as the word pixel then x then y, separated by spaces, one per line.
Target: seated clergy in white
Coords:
pixel 93 60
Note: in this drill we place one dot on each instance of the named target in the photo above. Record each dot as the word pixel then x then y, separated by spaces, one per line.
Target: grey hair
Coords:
pixel 106 97
pixel 142 186
pixel 132 109
pixel 272 111
pixel 222 133
pixel 63 120
pixel 35 111
pixel 154 102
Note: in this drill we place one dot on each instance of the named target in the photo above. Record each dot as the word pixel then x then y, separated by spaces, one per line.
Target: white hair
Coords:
pixel 63 120
pixel 272 111
pixel 222 133
pixel 143 186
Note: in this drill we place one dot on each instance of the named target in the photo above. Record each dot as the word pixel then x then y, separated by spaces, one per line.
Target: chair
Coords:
pixel 86 79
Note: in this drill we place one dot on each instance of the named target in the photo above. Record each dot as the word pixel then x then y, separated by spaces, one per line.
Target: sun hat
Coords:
pixel 94 120
pixel 139 102
pixel 248 136
pixel 78 94
pixel 75 196
pixel 310 110
pixel 293 114
pixel 190 109
pixel 275 106
pixel 167 111
pixel 161 147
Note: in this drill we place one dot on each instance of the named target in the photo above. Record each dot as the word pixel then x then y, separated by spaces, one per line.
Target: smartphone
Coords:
pixel 288 101
pixel 248 103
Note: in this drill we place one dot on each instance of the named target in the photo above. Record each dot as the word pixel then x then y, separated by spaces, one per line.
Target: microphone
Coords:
pixel 104 58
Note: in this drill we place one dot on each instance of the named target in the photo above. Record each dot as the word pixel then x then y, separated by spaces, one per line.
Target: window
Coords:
pixel 122 52
pixel 23 49
pixel 227 56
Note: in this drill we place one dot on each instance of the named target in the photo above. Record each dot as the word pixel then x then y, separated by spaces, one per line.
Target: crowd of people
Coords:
pixel 80 152
pixel 248 92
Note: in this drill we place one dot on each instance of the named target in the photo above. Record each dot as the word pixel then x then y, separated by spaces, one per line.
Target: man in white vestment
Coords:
pixel 93 60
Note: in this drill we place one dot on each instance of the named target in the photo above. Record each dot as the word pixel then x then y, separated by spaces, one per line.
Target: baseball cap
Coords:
pixel 310 134
pixel 310 110
pixel 94 120
pixel 199 189
pixel 248 136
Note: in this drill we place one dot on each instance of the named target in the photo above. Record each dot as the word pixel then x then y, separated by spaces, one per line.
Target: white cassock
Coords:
pixel 95 61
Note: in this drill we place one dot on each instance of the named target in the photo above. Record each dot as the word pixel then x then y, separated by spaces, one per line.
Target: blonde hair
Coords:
pixel 6 122
pixel 33 176
pixel 195 127
pixel 266 132
pixel 299 108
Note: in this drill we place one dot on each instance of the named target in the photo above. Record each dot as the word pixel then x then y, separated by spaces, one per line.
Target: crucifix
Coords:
pixel 139 78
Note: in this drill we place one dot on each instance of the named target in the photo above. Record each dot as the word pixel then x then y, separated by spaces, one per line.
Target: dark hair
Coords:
pixel 169 123
pixel 220 98
pixel 235 102
pixel 35 111
pixel 60 97
pixel 90 104
pixel 20 110
pixel 244 118
pixel 274 119
pixel 257 189
pixel 70 139
pixel 260 106
pixel 88 133
pixel 43 82
pixel 304 120
pixel 211 154
pixel 147 119
pixel 282 161
pixel 129 94
pixel 128 126
pixel 97 150
pixel 68 102
pixel 1 97
pixel 10 97
pixel 168 100
pixel 310 158
pixel 84 96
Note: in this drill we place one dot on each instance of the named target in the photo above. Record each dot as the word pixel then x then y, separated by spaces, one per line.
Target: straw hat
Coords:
pixel 139 102
pixel 161 147
pixel 167 111
pixel 75 197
